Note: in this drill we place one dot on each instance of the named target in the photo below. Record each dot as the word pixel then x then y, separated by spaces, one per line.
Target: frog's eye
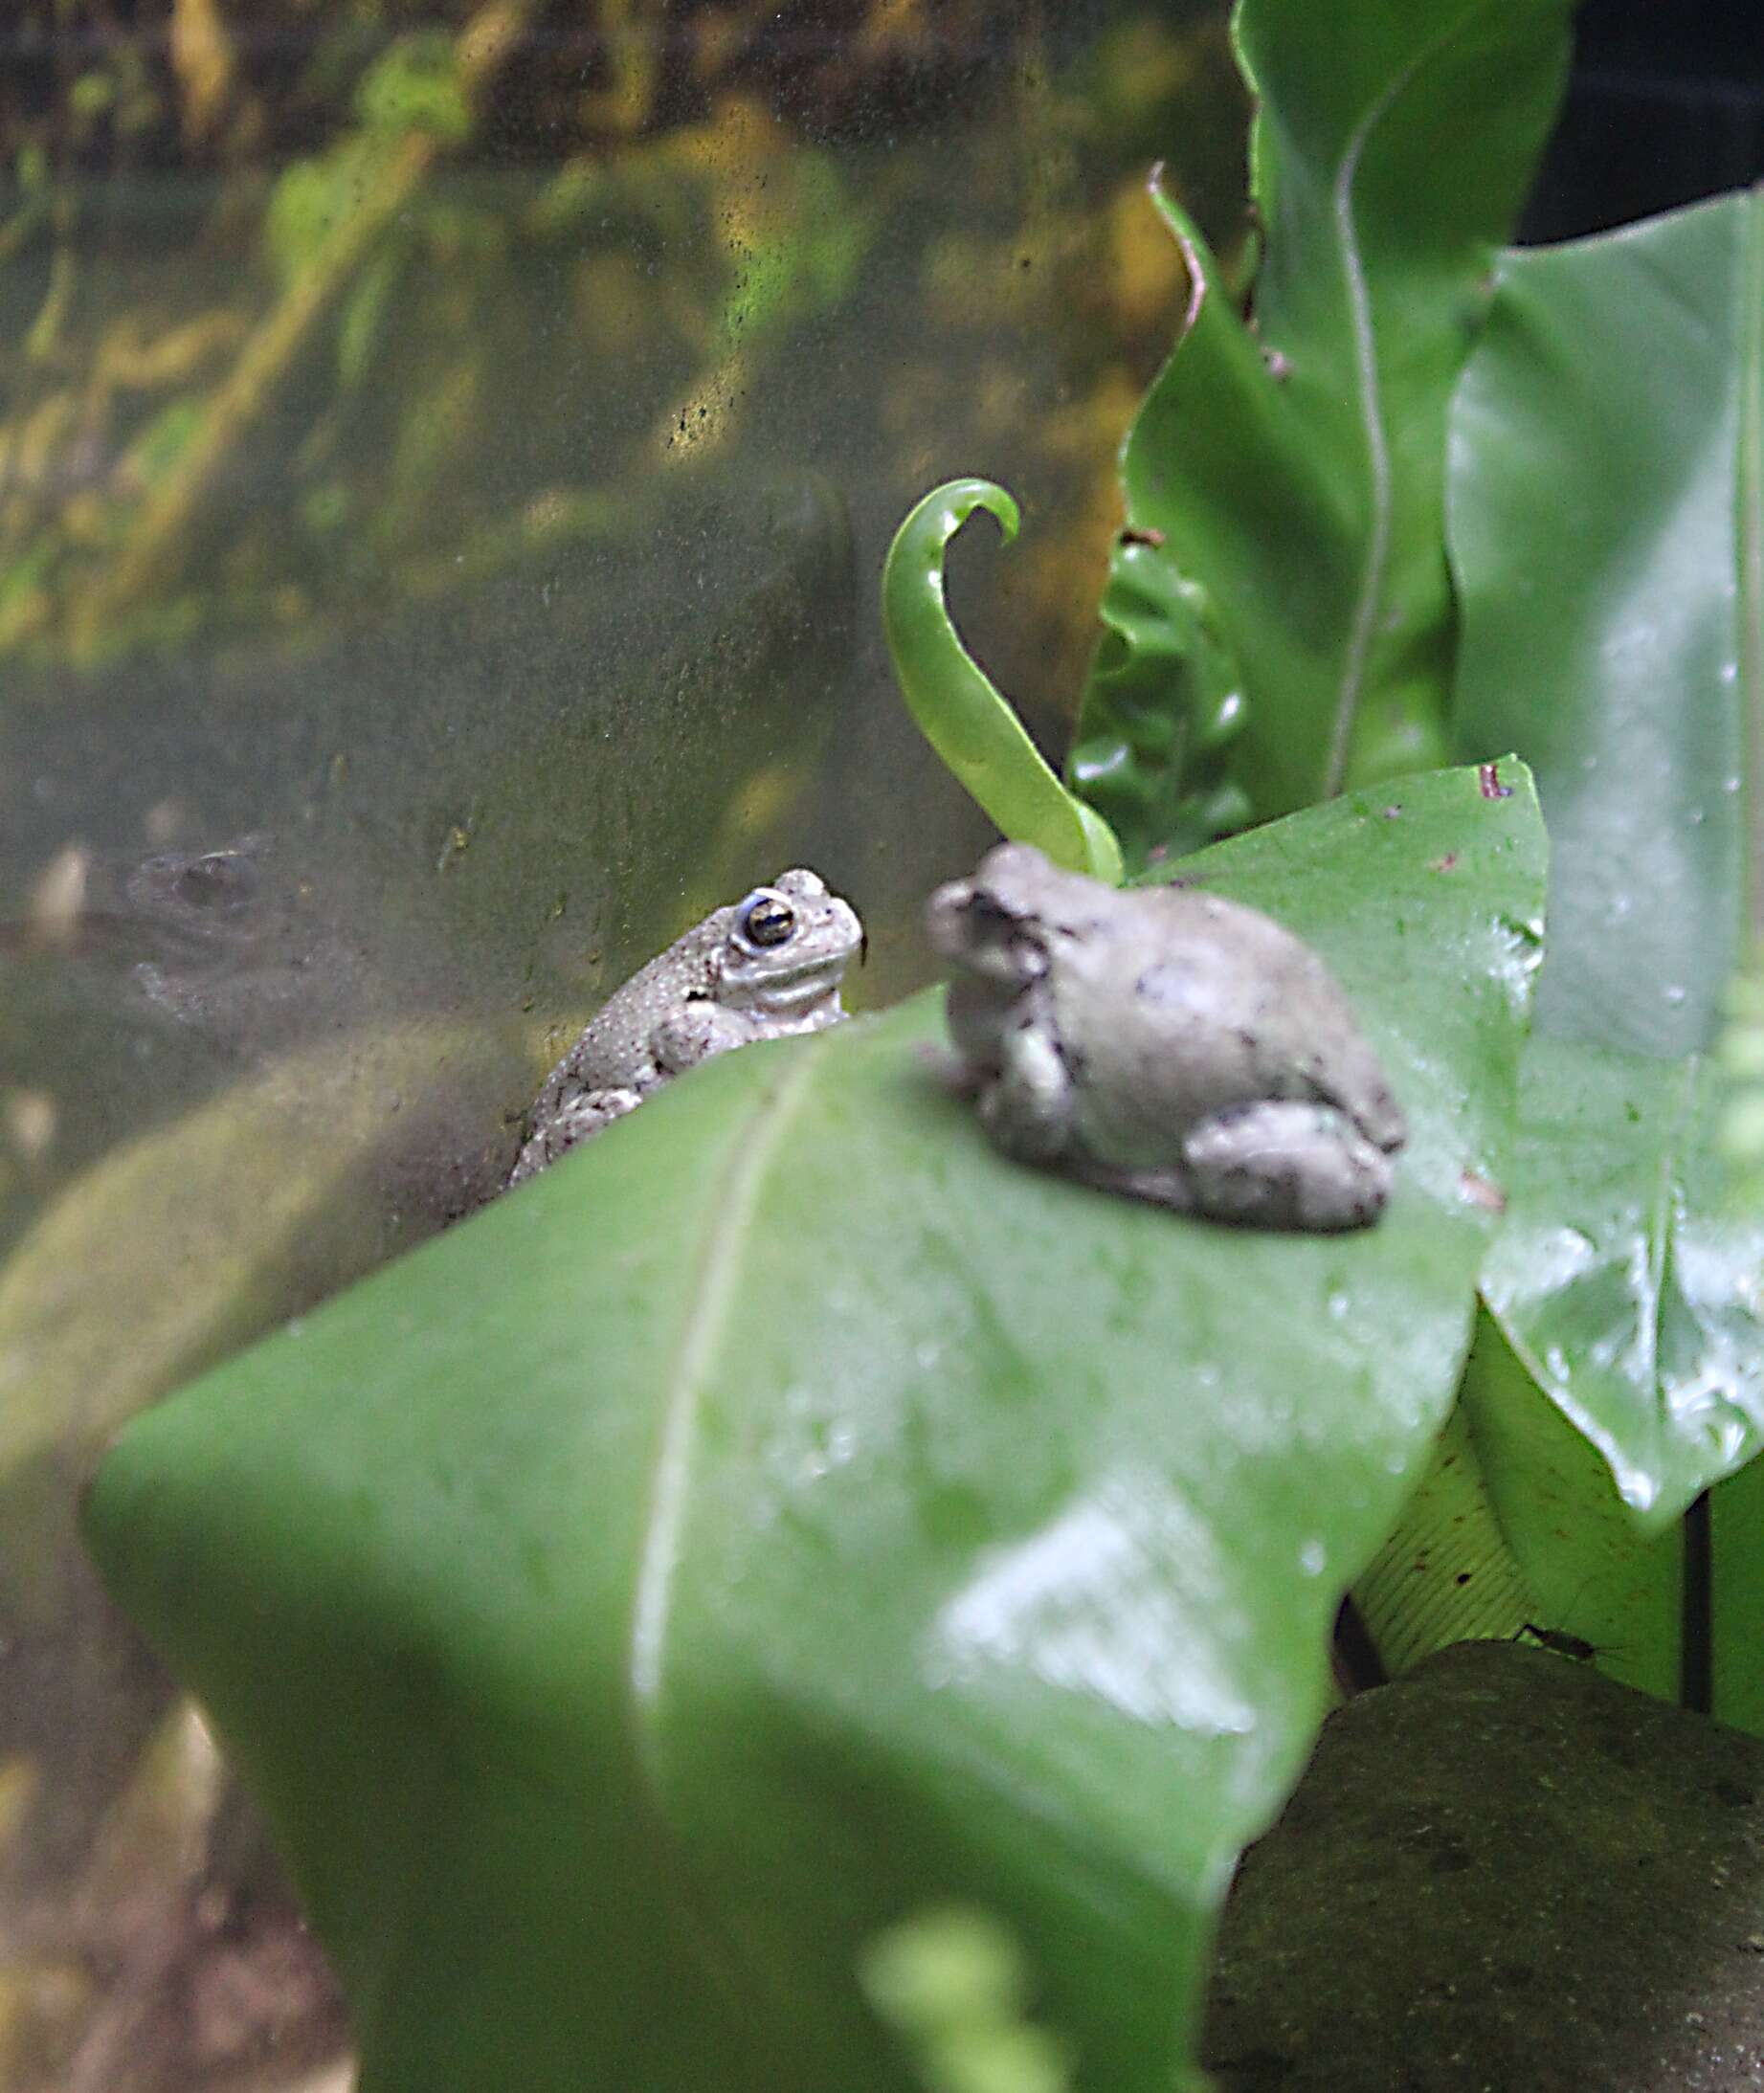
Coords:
pixel 224 877
pixel 766 920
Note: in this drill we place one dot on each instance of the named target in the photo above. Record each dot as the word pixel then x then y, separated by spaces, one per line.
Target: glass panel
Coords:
pixel 446 457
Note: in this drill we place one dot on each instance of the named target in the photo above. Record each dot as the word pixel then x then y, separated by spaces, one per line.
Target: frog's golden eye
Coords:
pixel 767 919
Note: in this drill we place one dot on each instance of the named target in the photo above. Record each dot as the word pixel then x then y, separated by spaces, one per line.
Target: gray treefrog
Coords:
pixel 767 965
pixel 1165 1043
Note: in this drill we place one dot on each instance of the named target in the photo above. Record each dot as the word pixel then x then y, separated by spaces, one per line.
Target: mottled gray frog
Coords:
pixel 1163 1043
pixel 767 965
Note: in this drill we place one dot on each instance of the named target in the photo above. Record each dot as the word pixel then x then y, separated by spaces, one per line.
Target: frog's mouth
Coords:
pixel 786 987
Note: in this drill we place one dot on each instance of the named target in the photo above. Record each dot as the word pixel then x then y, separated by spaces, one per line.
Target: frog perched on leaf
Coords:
pixel 1163 1043
pixel 764 968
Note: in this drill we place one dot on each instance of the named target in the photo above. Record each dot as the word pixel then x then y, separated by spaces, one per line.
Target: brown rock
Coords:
pixel 1502 1872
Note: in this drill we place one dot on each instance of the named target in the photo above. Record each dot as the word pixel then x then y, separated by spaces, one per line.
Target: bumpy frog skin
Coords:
pixel 764 968
pixel 1163 1043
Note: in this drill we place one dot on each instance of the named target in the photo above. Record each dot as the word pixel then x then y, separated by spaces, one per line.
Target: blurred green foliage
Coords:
pixel 269 269
pixel 317 309
pixel 953 1983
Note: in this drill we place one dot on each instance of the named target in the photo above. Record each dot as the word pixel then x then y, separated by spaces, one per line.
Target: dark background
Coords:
pixel 1665 105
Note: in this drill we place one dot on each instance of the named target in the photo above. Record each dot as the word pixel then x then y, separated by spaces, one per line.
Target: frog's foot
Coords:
pixel 1287 1165
pixel 1026 1106
pixel 568 1125
pixel 694 1035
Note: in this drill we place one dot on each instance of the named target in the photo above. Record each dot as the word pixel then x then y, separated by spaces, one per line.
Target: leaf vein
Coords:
pixel 1749 525
pixel 1662 1231
pixel 712 1289
pixel 1376 563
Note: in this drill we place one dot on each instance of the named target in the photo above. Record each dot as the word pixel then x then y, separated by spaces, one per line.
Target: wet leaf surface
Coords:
pixel 787 1513
pixel 1605 530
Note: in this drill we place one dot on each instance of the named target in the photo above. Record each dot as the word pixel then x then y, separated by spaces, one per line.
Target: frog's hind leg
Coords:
pixel 568 1125
pixel 1288 1165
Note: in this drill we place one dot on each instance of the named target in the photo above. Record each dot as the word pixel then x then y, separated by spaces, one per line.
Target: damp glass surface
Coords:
pixel 446 457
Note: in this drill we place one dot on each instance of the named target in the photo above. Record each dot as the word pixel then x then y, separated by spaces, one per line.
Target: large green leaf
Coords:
pixel 787 1513
pixel 1517 1531
pixel 1630 1291
pixel 1607 532
pixel 1284 482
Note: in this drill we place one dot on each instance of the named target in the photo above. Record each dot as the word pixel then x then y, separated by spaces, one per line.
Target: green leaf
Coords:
pixel 415 86
pixel 962 717
pixel 1629 1292
pixel 1739 1061
pixel 91 96
pixel 952 1984
pixel 313 197
pixel 1162 711
pixel 159 446
pixel 795 265
pixel 1606 529
pixel 1295 473
pixel 1608 539
pixel 1516 1530
pixel 787 1515
pixel 365 320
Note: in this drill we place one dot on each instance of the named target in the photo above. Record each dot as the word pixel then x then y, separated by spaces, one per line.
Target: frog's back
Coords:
pixel 1231 1008
pixel 1311 1043
pixel 614 1050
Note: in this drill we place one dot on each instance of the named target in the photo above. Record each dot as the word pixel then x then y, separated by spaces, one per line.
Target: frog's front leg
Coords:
pixel 1287 1165
pixel 1027 1105
pixel 693 1034
pixel 567 1123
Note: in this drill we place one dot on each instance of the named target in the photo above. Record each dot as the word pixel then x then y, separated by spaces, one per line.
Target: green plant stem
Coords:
pixel 962 717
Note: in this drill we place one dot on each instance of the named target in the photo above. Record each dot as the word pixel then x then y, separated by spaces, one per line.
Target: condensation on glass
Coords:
pixel 446 456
